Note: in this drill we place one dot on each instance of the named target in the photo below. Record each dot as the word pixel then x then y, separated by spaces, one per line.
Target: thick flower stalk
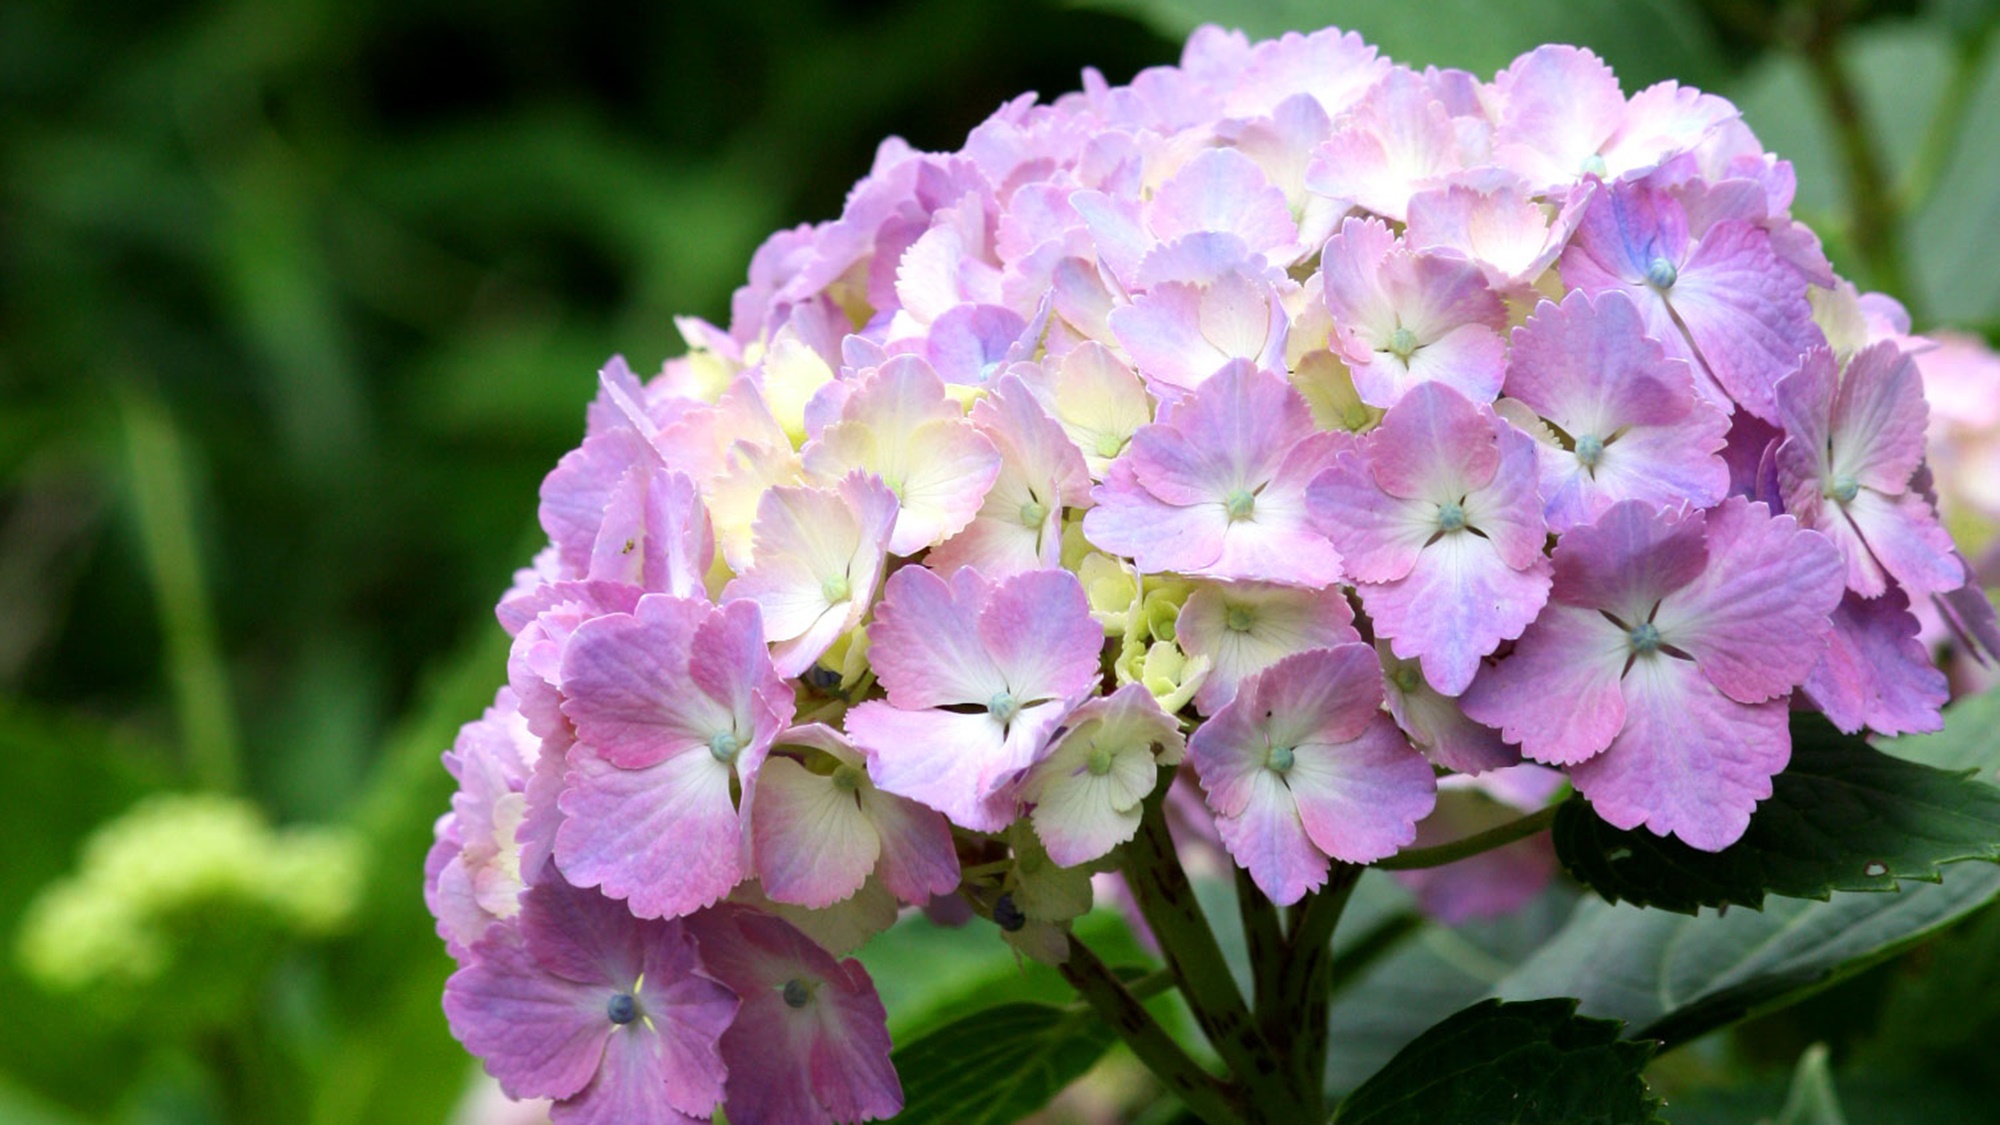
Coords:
pixel 1288 423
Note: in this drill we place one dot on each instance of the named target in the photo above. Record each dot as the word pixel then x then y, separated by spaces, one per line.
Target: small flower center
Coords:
pixel 1593 165
pixel 1240 505
pixel 1108 445
pixel 1003 707
pixel 797 993
pixel 1406 678
pixel 1645 639
pixel 847 778
pixel 1033 513
pixel 1661 274
pixel 1279 759
pixel 622 1008
pixel 1843 489
pixel 1007 915
pixel 835 588
pixel 1099 762
pixel 1451 516
pixel 1239 619
pixel 1401 343
pixel 724 746
pixel 1590 450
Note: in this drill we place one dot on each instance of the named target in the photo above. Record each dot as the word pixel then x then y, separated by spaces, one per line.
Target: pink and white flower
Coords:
pixel 1303 768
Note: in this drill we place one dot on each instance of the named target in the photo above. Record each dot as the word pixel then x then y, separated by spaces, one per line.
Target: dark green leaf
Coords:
pixel 1674 976
pixel 1511 1064
pixel 1843 816
pixel 999 1065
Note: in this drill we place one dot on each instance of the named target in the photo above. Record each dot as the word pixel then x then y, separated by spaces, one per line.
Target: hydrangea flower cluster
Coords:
pixel 1291 419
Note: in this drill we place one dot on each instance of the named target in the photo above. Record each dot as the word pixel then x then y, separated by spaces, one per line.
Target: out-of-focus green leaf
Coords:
pixel 1644 40
pixel 929 975
pixel 1843 816
pixel 999 1065
pixel 1431 973
pixel 70 775
pixel 386 980
pixel 1955 233
pixel 1530 1063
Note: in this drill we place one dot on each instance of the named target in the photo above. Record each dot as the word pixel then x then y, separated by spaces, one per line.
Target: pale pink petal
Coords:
pixel 1245 627
pixel 1222 190
pixel 1630 558
pixel 541 1035
pixel 580 487
pixel 1435 445
pixel 1378 535
pixel 1904 536
pixel 1508 510
pixel 666 839
pixel 1745 312
pixel 924 643
pixel 1455 606
pixel 1038 629
pixel 917 860
pixel 813 841
pixel 1756 618
pixel 1158 536
pixel 1691 762
pixel 1876 672
pixel 655 534
pixel 938 758
pixel 1878 419
pixel 1270 841
pixel 1557 695
pixel 1558 106
pixel 1360 799
pixel 625 682
pixel 1437 724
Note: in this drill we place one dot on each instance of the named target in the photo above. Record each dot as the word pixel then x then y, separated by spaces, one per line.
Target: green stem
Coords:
pixel 1874 216
pixel 1307 982
pixel 160 494
pixel 1941 136
pixel 1412 859
pixel 1167 901
pixel 1264 940
pixel 1117 1004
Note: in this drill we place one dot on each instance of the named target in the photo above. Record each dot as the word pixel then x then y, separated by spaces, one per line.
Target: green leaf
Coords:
pixel 1511 1064
pixel 1432 972
pixel 1674 976
pixel 1812 1100
pixel 1842 817
pixel 1643 40
pixel 999 1065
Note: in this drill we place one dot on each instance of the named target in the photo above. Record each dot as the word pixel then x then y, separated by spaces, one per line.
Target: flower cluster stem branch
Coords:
pixel 1306 982
pixel 1413 859
pixel 1264 941
pixel 1206 1096
pixel 1875 217
pixel 1187 943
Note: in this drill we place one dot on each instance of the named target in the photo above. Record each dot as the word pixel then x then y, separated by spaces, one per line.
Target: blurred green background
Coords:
pixel 299 300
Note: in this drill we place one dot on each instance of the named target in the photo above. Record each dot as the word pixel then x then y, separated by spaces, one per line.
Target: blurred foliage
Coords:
pixel 299 300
